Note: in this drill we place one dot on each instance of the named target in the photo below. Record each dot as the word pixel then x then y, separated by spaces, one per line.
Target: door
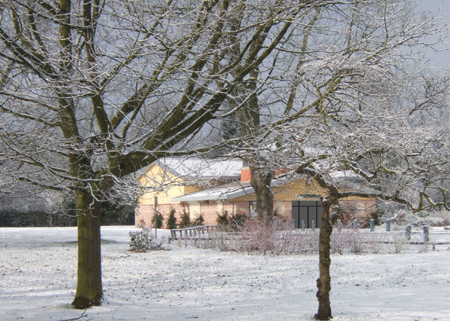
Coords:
pixel 307 212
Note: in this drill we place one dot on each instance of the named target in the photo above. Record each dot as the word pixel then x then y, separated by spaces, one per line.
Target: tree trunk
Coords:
pixel 324 281
pixel 89 279
pixel 261 182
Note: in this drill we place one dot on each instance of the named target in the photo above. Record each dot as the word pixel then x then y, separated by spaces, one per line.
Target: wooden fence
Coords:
pixel 194 232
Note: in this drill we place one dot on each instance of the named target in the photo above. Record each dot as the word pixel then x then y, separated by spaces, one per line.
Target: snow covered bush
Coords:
pixel 143 241
pixel 439 218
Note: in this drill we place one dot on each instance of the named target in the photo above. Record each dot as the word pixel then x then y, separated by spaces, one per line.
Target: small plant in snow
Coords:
pixel 339 241
pixel 399 241
pixel 143 241
pixel 356 242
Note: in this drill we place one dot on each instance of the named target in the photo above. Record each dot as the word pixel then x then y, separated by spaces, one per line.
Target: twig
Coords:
pixel 73 319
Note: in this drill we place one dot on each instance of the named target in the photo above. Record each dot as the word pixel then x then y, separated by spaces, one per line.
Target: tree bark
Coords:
pixel 261 182
pixel 89 282
pixel 324 281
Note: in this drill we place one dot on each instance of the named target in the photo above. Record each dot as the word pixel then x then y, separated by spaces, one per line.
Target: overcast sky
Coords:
pixel 442 9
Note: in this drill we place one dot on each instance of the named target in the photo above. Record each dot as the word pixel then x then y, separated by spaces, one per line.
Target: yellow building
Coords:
pixel 209 187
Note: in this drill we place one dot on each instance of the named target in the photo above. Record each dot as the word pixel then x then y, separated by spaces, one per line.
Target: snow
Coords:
pixel 202 168
pixel 38 279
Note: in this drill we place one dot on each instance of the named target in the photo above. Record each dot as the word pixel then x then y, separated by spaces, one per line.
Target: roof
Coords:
pixel 222 192
pixel 226 191
pixel 344 179
pixel 199 168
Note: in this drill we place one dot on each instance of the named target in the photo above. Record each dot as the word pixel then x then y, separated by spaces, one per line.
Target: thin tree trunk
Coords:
pixel 89 279
pixel 324 281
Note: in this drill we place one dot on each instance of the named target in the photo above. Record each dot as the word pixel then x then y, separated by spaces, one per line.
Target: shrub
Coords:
pixel 365 221
pixel 237 222
pixel 198 220
pixel 346 217
pixel 356 242
pixel 157 220
pixel 143 241
pixel 399 242
pixel 185 220
pixel 439 218
pixel 222 221
pixel 171 220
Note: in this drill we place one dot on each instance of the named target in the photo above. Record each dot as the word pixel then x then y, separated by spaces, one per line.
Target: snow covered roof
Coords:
pixel 233 190
pixel 200 168
pixel 225 192
pixel 222 192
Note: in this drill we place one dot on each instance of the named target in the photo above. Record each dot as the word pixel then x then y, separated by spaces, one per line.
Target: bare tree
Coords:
pixel 331 44
pixel 95 90
pixel 354 104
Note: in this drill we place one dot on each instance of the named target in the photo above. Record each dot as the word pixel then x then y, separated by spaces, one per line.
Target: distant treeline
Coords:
pixel 14 218
pixel 111 215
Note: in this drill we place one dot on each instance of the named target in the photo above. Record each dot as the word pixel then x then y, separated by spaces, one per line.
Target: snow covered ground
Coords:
pixel 38 278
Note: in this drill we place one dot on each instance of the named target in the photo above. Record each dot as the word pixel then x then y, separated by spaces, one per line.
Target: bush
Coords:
pixel 185 220
pixel 237 222
pixel 233 223
pixel 222 221
pixel 365 221
pixel 199 220
pixel 143 241
pixel 275 238
pixel 172 220
pixel 439 218
pixel 157 220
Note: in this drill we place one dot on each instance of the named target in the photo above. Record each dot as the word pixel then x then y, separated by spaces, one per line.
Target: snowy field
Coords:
pixel 38 278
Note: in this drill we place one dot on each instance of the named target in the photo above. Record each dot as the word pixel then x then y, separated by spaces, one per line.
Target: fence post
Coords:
pixel 293 223
pixel 303 225
pixel 426 234
pixel 388 225
pixel 408 232
pixel 155 216
pixel 339 225
pixel 355 224
pixel 313 225
pixel 372 225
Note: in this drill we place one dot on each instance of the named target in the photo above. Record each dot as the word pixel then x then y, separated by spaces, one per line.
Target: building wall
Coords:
pixel 306 189
pixel 361 208
pixel 170 186
pixel 145 213
pixel 211 210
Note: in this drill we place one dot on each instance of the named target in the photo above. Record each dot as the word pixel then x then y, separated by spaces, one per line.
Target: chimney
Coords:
pixel 281 171
pixel 245 174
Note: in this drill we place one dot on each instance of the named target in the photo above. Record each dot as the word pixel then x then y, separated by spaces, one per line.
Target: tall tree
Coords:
pixel 347 100
pixel 332 41
pixel 95 90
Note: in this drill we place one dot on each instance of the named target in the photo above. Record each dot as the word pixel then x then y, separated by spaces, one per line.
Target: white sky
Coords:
pixel 441 8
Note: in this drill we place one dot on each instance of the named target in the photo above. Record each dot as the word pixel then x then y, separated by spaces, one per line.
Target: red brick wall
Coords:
pixel 242 208
pixel 144 213
pixel 209 212
pixel 360 208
